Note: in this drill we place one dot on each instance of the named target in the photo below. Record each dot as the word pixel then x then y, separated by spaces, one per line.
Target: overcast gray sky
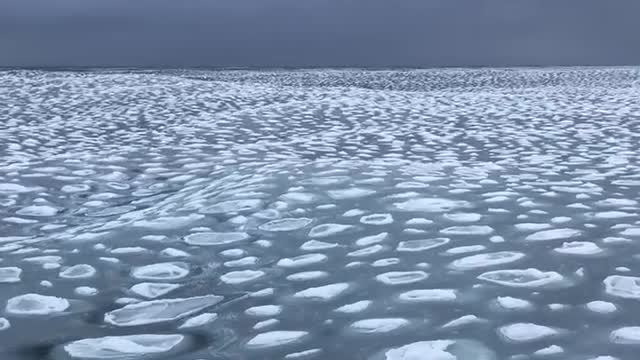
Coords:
pixel 243 33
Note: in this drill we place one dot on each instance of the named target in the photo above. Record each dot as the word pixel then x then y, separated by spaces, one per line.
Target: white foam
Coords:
pixel 35 304
pixel 157 311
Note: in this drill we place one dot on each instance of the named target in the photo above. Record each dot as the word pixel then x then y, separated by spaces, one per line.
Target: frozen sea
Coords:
pixel 454 214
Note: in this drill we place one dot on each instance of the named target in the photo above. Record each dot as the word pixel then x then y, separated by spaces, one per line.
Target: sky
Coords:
pixel 318 33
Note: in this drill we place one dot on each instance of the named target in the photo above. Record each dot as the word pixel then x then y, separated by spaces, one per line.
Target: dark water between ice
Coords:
pixel 436 215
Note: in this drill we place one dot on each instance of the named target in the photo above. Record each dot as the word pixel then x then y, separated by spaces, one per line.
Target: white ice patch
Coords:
pixel 286 224
pixel 430 205
pixel 123 347
pixel 355 307
pixel 38 211
pixel 215 238
pixel 35 304
pixel 168 222
pixel 4 324
pixel 161 271
pixel 526 332
pixel 629 335
pixel 307 275
pixel 81 271
pixel 199 320
pixel 553 234
pixel 439 350
pixel 584 248
pixel 302 260
pixel 377 219
pixel 402 277
pixel 323 293
pixel 627 287
pixel 264 310
pixel 601 307
pixel 380 325
pixel 233 206
pixel 468 230
pixel 463 217
pixel 429 295
pixel 326 230
pixel 522 278
pixel 241 276
pixel 10 274
pixel 486 260
pixel 421 244
pixel 513 304
pixel 276 338
pixel 153 290
pixel 465 249
pixel 315 245
pixel 351 193
pixel 157 311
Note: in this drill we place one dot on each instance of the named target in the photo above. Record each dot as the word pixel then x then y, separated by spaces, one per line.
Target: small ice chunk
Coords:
pixel 372 239
pixel 4 324
pixel 486 260
pixel 264 310
pixel 307 275
pixel 428 295
pixel 468 230
pixel 286 224
pixel 627 287
pixel 549 350
pixel 522 278
pixel 601 307
pixel 512 304
pixel 430 205
pixel 86 291
pixel 377 219
pixel 421 244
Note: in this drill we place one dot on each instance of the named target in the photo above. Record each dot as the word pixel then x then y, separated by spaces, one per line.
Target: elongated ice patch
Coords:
pixel 276 338
pixel 123 347
pixel 36 304
pixel 486 260
pixel 430 205
pixel 286 224
pixel 158 311
pixel 215 238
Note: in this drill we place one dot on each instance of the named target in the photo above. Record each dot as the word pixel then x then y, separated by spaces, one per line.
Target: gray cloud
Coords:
pixel 318 32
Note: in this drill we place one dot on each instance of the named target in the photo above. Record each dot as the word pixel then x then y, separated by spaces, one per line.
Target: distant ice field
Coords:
pixel 453 214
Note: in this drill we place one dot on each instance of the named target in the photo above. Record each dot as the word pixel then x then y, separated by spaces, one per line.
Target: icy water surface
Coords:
pixel 386 215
